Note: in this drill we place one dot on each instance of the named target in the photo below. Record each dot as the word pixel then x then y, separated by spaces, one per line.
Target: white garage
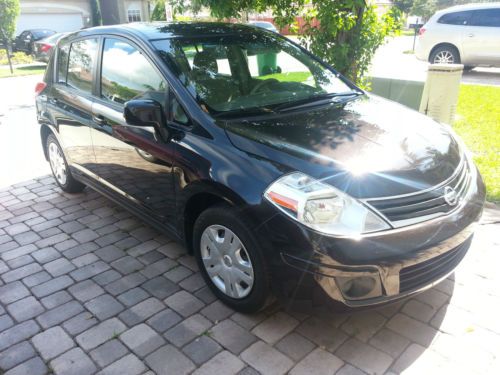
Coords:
pixel 52 21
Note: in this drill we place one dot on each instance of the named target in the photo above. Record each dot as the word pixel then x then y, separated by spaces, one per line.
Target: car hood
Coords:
pixel 367 147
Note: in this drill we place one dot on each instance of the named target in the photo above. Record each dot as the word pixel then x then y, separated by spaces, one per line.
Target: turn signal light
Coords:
pixel 421 31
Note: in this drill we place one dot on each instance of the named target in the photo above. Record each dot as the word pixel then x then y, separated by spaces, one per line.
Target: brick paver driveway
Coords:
pixel 85 288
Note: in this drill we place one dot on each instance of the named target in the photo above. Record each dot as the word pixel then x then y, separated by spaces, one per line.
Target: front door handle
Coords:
pixel 99 120
pixel 471 35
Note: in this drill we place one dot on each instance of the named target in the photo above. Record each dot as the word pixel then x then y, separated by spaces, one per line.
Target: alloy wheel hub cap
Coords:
pixel 57 163
pixel 226 261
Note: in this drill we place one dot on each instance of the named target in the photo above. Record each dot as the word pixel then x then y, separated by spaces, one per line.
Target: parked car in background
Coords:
pixel 463 34
pixel 43 48
pixel 273 181
pixel 24 42
pixel 264 25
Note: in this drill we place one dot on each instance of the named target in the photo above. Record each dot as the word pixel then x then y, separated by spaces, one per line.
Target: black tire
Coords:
pixel 232 219
pixel 71 185
pixel 445 50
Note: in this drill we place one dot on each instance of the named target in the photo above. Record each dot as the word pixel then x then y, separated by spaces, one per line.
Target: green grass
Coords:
pixel 409 32
pixel 23 71
pixel 288 77
pixel 478 123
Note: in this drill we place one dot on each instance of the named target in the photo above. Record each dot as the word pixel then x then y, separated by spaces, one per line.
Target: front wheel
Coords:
pixel 60 168
pixel 231 259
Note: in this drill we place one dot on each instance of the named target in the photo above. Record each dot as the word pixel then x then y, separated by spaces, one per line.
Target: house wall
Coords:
pixel 48 8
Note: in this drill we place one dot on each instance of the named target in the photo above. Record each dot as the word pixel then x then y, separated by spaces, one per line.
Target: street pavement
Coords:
pixel 390 62
pixel 85 287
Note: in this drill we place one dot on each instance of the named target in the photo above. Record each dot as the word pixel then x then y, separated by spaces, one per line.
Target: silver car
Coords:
pixel 465 34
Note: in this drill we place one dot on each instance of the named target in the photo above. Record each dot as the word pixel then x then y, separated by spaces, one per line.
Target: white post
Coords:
pixel 169 14
pixel 440 96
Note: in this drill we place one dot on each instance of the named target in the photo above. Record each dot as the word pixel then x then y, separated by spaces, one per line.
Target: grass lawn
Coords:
pixel 478 123
pixel 22 71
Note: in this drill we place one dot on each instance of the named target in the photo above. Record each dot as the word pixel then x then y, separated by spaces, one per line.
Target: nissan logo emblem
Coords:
pixel 450 196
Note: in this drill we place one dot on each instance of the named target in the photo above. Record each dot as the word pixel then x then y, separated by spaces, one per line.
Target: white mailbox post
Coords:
pixel 440 96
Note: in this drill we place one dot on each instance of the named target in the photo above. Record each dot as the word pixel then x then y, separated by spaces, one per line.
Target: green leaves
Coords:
pixel 9 10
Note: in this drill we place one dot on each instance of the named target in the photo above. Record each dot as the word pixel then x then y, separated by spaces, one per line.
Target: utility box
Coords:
pixel 440 96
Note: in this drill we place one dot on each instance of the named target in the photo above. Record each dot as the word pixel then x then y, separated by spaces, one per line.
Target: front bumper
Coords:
pixel 400 261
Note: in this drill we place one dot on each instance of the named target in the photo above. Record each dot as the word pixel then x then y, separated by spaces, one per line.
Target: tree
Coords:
pixel 159 11
pixel 403 5
pixel 96 13
pixel 344 33
pixel 9 11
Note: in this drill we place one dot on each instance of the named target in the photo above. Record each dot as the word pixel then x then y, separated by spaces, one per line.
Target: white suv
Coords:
pixel 466 34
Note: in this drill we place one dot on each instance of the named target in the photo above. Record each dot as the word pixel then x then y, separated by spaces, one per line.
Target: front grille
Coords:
pixel 424 273
pixel 423 206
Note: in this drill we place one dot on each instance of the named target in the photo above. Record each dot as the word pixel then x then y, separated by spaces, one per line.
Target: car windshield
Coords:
pixel 258 70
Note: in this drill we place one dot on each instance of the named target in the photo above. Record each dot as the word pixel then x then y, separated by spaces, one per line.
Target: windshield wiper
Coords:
pixel 315 100
pixel 240 112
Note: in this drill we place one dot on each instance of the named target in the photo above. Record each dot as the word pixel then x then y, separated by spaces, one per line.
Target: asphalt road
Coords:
pixel 390 62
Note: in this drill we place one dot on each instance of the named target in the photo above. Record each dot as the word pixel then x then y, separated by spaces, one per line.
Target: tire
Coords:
pixel 146 155
pixel 251 253
pixel 59 167
pixel 445 55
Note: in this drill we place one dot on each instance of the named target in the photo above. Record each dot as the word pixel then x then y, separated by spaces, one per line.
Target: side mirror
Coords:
pixel 144 113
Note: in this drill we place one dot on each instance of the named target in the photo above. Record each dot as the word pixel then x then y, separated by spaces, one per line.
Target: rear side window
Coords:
pixel 127 74
pixel 62 63
pixel 82 57
pixel 486 17
pixel 456 18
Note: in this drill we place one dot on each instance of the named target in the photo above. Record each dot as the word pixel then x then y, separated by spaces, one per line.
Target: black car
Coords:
pixel 24 41
pixel 277 173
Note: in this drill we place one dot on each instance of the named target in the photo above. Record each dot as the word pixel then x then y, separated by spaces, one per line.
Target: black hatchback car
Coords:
pixel 276 172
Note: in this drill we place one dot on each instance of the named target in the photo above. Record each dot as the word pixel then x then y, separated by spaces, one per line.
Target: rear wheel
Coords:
pixel 230 259
pixel 60 169
pixel 445 55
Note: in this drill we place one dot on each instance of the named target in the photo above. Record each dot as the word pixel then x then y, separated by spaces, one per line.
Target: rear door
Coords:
pixel 132 161
pixel 482 37
pixel 70 101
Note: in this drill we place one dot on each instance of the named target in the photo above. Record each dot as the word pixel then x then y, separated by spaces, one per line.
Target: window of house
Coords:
pixel 82 57
pixel 127 74
pixel 134 15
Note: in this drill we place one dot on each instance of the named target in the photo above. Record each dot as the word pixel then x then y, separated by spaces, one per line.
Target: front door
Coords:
pixel 70 102
pixel 134 162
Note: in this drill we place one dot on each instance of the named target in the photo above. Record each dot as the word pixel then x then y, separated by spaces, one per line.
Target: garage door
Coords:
pixel 52 21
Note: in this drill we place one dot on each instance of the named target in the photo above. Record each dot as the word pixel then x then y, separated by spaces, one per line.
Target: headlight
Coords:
pixel 322 207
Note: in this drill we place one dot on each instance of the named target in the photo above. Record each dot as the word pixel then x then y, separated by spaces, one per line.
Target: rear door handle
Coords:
pixel 99 120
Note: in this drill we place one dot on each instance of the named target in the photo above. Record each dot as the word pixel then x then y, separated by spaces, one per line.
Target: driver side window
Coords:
pixel 127 74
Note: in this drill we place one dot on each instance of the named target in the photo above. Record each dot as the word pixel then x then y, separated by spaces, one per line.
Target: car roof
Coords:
pixel 165 30
pixel 472 6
